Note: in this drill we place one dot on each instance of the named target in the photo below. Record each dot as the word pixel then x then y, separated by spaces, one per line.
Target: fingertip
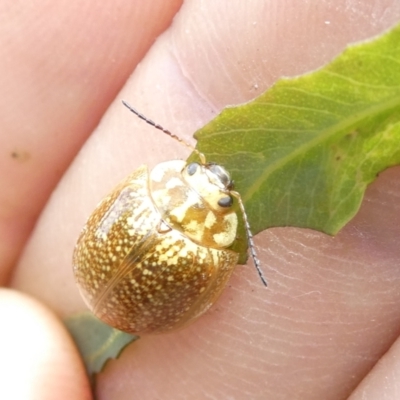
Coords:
pixel 38 358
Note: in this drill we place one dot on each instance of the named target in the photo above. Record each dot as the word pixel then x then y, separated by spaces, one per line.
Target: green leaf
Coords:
pixel 303 153
pixel 96 341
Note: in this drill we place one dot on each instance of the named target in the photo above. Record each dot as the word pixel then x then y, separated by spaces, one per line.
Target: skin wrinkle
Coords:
pixel 191 92
pixel 224 385
pixel 312 254
pixel 215 379
pixel 210 45
pixel 195 89
pixel 215 55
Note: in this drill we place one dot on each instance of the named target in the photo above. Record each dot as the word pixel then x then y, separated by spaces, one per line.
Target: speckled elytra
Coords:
pixel 154 255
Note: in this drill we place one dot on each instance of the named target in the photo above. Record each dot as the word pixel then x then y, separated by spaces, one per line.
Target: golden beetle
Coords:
pixel 154 254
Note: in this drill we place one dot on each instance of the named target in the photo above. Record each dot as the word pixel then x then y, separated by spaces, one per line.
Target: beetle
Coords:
pixel 154 255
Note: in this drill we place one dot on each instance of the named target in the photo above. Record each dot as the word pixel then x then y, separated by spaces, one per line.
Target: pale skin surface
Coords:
pixel 328 323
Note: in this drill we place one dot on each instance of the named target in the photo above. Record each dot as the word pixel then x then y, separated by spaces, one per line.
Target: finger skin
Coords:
pixel 62 63
pixel 382 383
pixel 329 312
pixel 38 358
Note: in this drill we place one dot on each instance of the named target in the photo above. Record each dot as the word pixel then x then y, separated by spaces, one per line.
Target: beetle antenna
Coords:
pixel 157 126
pixel 250 241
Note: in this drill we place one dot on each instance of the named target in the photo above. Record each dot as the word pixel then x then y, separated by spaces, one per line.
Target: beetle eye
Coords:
pixel 225 201
pixel 221 173
pixel 192 168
